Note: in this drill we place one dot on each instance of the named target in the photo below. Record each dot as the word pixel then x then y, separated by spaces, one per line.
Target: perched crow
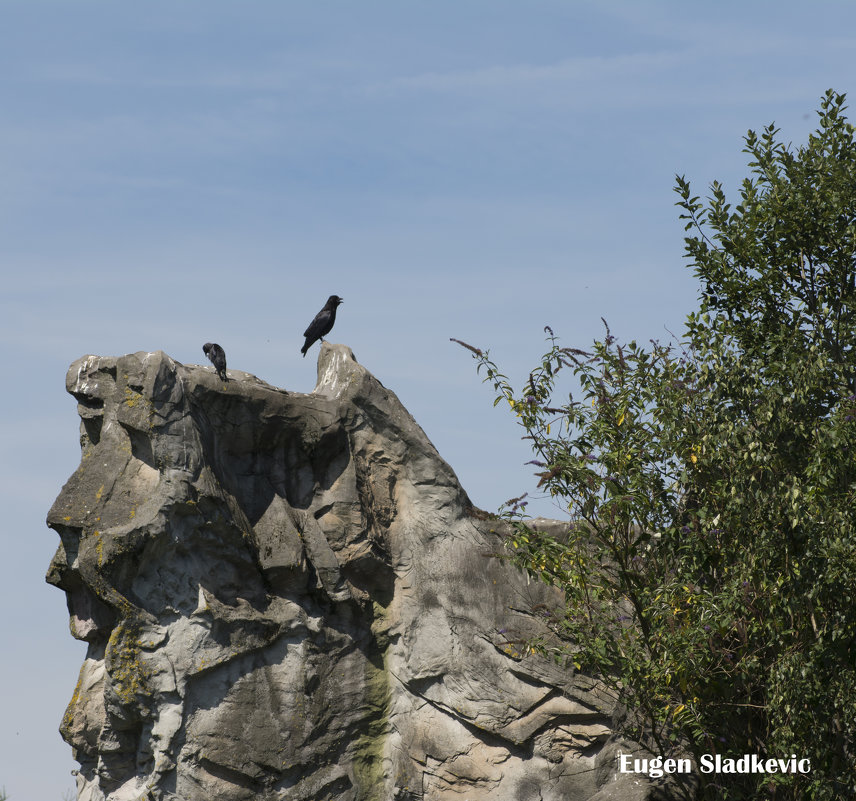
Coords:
pixel 217 356
pixel 322 323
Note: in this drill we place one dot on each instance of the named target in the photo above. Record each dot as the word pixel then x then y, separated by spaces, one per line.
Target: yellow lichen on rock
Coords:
pixel 129 674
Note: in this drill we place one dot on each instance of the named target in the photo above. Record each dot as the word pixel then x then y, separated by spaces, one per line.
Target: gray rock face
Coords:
pixel 289 596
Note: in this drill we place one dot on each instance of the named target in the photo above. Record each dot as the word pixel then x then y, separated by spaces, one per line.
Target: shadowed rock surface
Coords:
pixel 290 596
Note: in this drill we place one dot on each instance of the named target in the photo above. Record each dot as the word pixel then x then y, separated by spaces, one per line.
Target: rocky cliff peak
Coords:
pixel 290 596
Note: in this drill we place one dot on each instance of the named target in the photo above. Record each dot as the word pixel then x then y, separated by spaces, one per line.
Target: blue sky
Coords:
pixel 178 172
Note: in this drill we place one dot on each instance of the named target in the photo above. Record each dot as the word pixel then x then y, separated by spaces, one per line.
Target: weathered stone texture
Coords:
pixel 289 596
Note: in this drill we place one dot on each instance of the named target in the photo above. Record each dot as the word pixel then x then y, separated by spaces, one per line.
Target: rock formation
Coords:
pixel 290 596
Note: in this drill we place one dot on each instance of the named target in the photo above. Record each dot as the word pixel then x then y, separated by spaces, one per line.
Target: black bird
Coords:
pixel 217 356
pixel 322 323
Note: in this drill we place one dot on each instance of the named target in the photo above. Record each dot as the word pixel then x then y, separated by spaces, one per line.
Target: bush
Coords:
pixel 710 569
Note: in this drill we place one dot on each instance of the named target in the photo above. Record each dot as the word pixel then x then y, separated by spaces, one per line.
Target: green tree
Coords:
pixel 709 570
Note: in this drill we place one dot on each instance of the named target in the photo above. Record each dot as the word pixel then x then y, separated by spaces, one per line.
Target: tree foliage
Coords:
pixel 709 570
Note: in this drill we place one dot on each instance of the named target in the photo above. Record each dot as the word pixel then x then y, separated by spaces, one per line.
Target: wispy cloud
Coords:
pixel 527 76
pixel 719 61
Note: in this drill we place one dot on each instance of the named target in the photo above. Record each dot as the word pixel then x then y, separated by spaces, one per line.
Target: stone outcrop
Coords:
pixel 290 596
